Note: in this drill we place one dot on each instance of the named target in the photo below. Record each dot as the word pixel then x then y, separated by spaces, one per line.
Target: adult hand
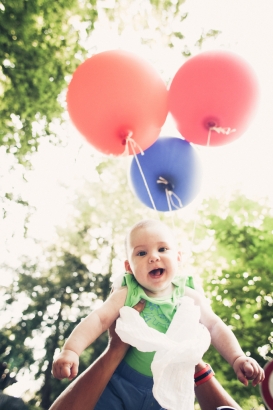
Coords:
pixel 84 392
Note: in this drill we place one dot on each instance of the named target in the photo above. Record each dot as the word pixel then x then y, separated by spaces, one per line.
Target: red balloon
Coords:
pixel 215 91
pixel 116 94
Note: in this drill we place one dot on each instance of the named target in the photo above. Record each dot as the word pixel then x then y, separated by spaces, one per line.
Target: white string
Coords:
pixel 193 231
pixel 170 194
pixel 170 207
pixel 131 142
pixel 208 140
pixel 162 180
pixel 219 130
pixel 168 199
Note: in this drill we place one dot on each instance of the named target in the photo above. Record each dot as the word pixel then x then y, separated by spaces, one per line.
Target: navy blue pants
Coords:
pixel 128 390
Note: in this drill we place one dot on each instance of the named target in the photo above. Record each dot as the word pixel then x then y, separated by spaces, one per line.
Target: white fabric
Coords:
pixel 177 351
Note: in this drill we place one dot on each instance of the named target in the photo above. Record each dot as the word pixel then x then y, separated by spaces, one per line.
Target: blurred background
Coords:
pixel 66 207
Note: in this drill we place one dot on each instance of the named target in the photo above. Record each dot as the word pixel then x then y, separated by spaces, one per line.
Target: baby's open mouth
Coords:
pixel 156 272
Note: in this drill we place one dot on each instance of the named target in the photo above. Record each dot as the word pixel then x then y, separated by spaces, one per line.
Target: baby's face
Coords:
pixel 153 259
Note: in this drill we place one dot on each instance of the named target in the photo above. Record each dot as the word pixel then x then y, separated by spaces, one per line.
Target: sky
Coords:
pixel 245 164
pixel 246 28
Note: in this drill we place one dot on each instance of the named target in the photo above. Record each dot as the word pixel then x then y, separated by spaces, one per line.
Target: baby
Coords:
pixel 152 267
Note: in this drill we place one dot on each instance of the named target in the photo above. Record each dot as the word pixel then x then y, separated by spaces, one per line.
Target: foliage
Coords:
pixel 39 47
pixel 237 272
pixel 69 280
pixel 39 50
pixel 41 44
pixel 74 275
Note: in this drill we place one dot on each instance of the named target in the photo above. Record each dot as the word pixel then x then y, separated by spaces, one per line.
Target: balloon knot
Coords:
pixel 169 185
pixel 129 140
pixel 221 130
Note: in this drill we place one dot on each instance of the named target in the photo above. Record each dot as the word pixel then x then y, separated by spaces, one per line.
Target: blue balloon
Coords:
pixel 168 176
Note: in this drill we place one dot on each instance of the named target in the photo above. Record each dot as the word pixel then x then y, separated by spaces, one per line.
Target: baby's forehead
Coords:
pixel 151 228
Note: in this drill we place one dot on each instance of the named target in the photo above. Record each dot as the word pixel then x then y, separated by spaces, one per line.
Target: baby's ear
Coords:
pixel 127 267
pixel 179 256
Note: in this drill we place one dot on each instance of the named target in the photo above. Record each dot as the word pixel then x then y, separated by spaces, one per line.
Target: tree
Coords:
pixel 69 280
pixel 39 47
pixel 8 402
pixel 71 277
pixel 41 44
pixel 237 278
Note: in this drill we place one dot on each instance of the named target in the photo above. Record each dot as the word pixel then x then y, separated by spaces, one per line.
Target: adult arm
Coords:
pixel 84 392
pixel 211 394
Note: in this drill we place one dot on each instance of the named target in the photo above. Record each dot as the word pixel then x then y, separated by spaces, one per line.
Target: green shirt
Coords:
pixel 158 314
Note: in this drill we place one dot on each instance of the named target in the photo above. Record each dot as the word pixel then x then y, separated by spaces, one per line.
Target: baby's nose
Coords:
pixel 154 257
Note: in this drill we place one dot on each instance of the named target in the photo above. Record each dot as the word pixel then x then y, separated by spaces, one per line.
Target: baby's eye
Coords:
pixel 163 249
pixel 141 253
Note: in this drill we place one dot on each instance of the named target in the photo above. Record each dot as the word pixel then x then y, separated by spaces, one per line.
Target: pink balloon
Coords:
pixel 215 89
pixel 116 94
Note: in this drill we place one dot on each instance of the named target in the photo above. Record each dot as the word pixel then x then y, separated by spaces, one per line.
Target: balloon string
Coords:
pixel 141 171
pixel 193 231
pixel 132 142
pixel 170 208
pixel 170 194
pixel 219 130
pixel 209 135
pixel 168 200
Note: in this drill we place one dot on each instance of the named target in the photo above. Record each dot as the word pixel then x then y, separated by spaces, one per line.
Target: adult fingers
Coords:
pixel 140 305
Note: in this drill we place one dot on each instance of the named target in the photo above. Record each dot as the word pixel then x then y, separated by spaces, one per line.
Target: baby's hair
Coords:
pixel 143 224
